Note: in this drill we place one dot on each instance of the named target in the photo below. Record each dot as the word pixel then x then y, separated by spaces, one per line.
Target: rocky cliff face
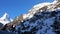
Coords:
pixel 41 23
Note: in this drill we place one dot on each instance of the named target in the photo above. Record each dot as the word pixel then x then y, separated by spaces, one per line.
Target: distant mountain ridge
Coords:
pixel 5 19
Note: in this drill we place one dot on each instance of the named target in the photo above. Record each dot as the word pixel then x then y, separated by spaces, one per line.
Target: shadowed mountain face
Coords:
pixel 41 23
pixel 1 25
pixel 6 32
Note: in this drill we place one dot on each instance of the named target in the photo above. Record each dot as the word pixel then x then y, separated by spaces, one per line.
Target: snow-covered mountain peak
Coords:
pixel 5 19
pixel 40 5
pixel 46 6
pixel 4 16
pixel 50 6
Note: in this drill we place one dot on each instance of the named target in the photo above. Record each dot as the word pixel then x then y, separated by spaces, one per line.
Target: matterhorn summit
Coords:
pixel 5 19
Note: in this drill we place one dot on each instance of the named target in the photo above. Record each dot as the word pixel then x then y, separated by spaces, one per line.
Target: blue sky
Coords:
pixel 17 7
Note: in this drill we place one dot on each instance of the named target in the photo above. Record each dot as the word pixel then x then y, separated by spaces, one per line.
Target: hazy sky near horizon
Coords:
pixel 17 7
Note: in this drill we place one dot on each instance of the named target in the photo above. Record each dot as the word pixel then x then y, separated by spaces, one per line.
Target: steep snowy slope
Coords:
pixel 5 19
